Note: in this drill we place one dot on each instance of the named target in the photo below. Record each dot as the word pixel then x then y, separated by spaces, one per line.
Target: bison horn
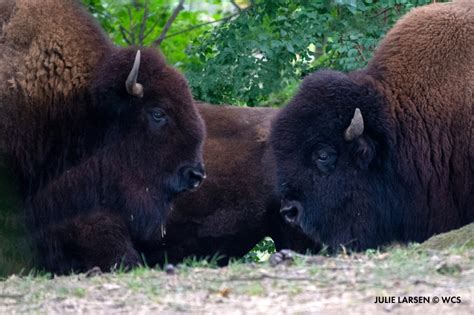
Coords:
pixel 356 128
pixel 134 88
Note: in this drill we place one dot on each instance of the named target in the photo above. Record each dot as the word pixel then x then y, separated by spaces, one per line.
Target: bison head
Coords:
pixel 331 145
pixel 153 135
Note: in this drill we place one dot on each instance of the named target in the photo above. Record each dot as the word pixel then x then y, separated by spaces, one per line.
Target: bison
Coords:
pixel 101 138
pixel 385 153
pixel 238 204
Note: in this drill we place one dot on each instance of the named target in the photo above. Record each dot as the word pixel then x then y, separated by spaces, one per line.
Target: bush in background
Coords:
pixel 253 52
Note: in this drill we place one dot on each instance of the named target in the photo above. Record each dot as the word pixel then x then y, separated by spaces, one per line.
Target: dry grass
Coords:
pixel 315 284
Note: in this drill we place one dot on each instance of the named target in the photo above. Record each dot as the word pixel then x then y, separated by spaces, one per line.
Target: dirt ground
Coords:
pixel 298 285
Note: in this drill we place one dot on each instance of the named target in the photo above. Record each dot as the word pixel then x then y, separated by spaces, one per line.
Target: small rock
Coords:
pixel 435 259
pixel 275 259
pixel 94 272
pixel 111 286
pixel 170 269
pixel 284 256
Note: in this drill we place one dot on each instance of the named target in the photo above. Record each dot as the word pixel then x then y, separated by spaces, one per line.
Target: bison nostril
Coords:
pixel 290 214
pixel 189 178
pixel 194 177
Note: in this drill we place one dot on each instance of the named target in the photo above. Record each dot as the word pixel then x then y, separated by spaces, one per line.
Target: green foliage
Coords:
pixel 259 50
pixel 272 44
pixel 141 22
pixel 261 252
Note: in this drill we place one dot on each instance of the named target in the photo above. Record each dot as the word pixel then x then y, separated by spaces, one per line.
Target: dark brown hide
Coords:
pixel 409 175
pixel 98 167
pixel 237 205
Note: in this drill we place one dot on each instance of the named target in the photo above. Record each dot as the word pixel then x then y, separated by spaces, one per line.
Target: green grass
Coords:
pixel 397 270
pixel 198 262
pixel 463 238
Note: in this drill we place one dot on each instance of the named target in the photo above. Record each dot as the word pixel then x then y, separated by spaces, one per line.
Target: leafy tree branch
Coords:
pixel 170 21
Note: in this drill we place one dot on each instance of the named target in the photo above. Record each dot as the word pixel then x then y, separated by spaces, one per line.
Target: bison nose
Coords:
pixel 291 211
pixel 193 176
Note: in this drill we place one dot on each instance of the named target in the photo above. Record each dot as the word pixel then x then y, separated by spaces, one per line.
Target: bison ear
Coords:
pixel 363 145
pixel 364 151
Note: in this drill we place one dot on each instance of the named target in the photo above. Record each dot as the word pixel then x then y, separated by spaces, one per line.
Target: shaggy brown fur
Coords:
pixel 237 205
pixel 98 166
pixel 6 8
pixel 426 70
pixel 409 175
pixel 44 44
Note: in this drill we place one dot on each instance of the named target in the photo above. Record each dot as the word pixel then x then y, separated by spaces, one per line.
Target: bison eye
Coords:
pixel 156 118
pixel 325 159
pixel 323 156
pixel 157 115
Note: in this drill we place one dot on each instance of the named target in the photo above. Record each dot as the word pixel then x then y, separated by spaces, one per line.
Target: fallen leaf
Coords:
pixel 224 292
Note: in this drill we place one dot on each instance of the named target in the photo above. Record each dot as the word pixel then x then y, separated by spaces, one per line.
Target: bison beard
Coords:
pixel 102 138
pixel 386 153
